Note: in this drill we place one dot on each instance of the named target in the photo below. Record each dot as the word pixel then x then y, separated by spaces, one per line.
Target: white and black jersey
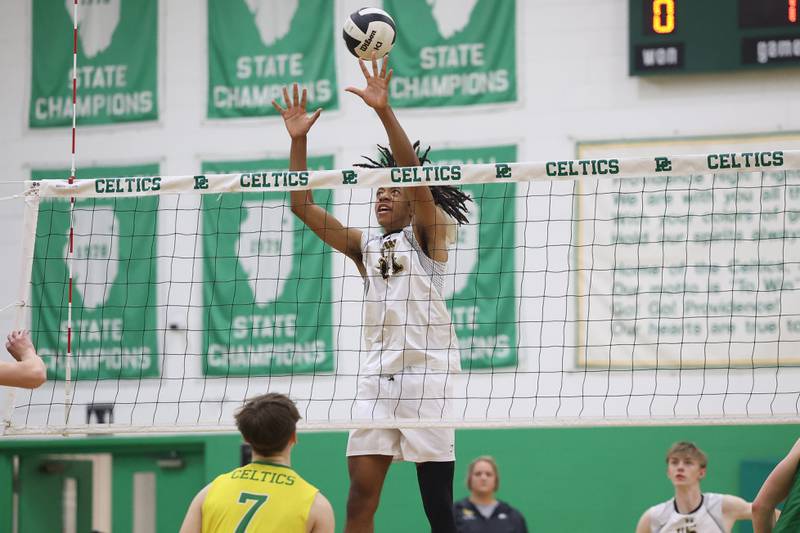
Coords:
pixel 406 322
pixel 707 518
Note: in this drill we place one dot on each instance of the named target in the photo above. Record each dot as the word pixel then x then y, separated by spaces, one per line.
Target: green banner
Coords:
pixel 117 62
pixel 480 287
pixel 267 290
pixel 453 53
pixel 256 47
pixel 114 281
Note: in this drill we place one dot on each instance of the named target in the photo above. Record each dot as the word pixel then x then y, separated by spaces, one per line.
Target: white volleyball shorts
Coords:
pixel 412 394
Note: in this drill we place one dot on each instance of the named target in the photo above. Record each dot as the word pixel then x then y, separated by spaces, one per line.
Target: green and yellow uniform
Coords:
pixel 790 517
pixel 258 498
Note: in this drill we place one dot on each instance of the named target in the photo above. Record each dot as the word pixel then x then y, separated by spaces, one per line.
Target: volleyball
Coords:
pixel 369 30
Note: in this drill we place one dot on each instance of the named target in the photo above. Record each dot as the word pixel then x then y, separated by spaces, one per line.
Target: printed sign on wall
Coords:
pixel 480 287
pixel 693 271
pixel 256 47
pixel 267 290
pixel 114 282
pixel 453 52
pixel 117 62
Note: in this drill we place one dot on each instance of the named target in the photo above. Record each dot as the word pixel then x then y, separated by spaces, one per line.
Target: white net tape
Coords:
pixel 593 292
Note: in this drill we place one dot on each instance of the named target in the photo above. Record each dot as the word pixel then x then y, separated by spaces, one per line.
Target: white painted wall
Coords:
pixel 573 87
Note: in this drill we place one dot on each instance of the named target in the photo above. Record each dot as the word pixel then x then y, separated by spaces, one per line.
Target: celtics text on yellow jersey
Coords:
pixel 260 497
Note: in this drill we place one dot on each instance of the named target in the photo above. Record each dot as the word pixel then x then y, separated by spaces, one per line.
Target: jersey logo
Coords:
pixel 387 264
pixel 688 526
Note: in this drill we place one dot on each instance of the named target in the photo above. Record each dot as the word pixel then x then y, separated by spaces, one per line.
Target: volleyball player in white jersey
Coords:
pixel 408 335
pixel 692 511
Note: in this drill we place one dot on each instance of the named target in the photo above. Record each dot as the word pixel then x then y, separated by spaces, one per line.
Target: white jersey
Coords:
pixel 406 322
pixel 707 518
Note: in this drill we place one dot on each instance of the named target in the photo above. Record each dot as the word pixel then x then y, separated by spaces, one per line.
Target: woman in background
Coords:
pixel 481 512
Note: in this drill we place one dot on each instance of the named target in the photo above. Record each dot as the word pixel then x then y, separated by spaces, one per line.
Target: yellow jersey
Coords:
pixel 258 498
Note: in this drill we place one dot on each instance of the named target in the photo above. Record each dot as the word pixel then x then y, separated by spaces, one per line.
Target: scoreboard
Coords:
pixel 685 36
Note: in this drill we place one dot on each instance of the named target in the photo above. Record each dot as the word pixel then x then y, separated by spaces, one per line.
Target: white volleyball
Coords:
pixel 369 30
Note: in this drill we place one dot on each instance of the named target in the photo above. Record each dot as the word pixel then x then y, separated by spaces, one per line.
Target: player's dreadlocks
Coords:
pixel 451 199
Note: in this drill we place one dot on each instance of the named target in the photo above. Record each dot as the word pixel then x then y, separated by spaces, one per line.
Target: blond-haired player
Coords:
pixel 692 511
pixel 266 495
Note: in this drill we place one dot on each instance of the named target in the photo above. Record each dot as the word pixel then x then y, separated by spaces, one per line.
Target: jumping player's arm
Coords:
pixel 430 225
pixel 735 508
pixel 325 225
pixel 774 490
pixel 320 517
pixel 644 523
pixel 193 521
pixel 29 370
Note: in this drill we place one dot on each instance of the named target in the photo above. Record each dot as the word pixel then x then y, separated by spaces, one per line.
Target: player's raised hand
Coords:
pixel 297 121
pixel 19 345
pixel 376 93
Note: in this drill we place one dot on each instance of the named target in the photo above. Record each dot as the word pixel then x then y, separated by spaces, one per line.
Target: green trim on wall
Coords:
pixel 6 491
pixel 575 479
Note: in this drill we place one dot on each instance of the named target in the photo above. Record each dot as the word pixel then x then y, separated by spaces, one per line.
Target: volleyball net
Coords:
pixel 583 292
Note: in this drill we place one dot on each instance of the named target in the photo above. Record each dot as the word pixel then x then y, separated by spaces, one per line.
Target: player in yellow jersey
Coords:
pixel 266 496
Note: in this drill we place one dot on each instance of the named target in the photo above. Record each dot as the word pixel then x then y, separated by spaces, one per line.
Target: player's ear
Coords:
pixel 702 472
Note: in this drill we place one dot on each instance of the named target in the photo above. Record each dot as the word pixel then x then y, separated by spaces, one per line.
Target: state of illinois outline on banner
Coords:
pixel 114 310
pixel 480 288
pixel 117 62
pixel 267 295
pixel 453 52
pixel 256 47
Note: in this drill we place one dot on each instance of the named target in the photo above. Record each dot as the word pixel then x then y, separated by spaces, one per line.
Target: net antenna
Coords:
pixel 30 219
pixel 68 385
pixel 637 292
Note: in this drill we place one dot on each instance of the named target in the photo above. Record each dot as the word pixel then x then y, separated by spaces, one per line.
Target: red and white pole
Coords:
pixel 68 363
